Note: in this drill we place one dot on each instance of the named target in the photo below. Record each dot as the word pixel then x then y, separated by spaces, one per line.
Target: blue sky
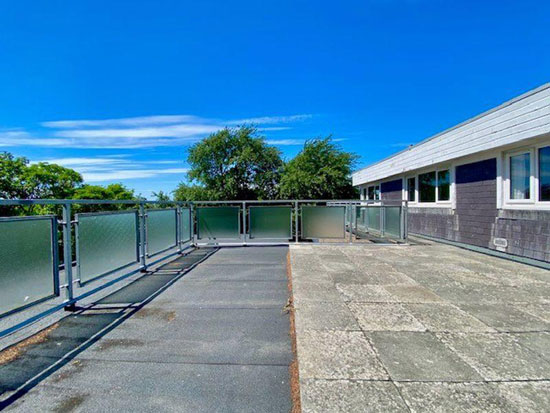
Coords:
pixel 119 89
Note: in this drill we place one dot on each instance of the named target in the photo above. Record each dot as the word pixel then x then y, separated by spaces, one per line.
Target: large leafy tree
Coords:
pixel 322 170
pixel 233 164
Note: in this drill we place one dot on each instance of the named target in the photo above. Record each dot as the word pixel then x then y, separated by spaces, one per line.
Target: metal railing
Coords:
pixel 126 235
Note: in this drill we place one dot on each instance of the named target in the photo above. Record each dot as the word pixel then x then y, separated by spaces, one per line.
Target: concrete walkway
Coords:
pixel 429 328
pixel 216 340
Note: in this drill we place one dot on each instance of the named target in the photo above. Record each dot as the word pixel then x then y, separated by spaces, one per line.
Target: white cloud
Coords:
pixel 285 142
pixel 124 174
pixel 135 121
pixel 174 131
pixel 264 120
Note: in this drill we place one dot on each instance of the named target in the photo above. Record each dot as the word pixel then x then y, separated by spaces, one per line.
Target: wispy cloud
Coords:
pixel 285 142
pixel 137 132
pixel 267 120
pixel 125 174
pixel 123 122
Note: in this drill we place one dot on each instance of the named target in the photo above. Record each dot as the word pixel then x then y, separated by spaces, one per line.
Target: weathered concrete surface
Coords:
pixel 425 328
pixel 217 340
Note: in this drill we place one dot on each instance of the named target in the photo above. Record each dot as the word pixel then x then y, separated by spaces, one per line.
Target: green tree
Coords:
pixel 234 164
pixel 186 192
pixel 322 170
pixel 110 192
pixel 11 175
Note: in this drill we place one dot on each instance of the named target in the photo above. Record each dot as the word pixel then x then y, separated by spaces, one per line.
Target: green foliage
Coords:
pixel 322 170
pixel 234 164
pixel 186 192
pixel 109 192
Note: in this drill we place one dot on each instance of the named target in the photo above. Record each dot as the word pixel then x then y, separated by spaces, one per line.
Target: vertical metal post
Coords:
pixel 296 221
pixel 244 223
pixel 178 228
pixel 68 253
pixel 143 238
pixel 405 208
pixel 192 224
pixel 350 226
pixel 382 220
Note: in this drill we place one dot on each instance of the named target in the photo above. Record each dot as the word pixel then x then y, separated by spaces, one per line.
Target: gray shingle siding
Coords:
pixel 476 219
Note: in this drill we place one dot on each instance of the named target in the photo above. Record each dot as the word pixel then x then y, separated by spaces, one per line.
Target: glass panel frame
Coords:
pixel 20 297
pixel 392 221
pixel 520 176
pixel 261 224
pixel 185 225
pixel 160 242
pixel 311 229
pixel 208 231
pixel 96 268
pixel 373 217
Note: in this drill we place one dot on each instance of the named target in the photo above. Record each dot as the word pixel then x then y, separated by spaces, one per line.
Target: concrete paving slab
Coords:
pixel 325 316
pixel 338 355
pixel 498 356
pixel 532 397
pixel 310 292
pixel 365 293
pixel 446 317
pixel 454 397
pixel 384 317
pixel 538 342
pixel 412 294
pixel 350 396
pixel 506 317
pixel 248 255
pixel 410 356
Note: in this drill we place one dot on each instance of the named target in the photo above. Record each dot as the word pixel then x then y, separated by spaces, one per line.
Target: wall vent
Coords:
pixel 500 242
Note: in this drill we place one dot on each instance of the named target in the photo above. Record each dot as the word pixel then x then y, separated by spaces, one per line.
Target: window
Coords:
pixel 373 192
pixel 544 174
pixel 520 176
pixel 443 185
pixel 411 189
pixel 426 187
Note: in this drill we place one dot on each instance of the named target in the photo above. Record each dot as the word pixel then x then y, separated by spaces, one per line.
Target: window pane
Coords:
pixel 544 173
pixel 411 189
pixel 377 192
pixel 371 192
pixel 443 185
pixel 520 167
pixel 426 187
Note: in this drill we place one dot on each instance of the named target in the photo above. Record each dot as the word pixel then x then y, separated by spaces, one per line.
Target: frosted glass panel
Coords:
pixel 323 222
pixel 361 217
pixel 373 218
pixel 218 222
pixel 161 230
pixel 27 266
pixel 185 224
pixel 392 221
pixel 270 222
pixel 106 242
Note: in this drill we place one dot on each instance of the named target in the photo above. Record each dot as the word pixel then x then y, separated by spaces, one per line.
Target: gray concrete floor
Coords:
pixel 425 328
pixel 214 340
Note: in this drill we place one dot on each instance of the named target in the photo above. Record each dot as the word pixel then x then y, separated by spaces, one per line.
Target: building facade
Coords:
pixel 484 182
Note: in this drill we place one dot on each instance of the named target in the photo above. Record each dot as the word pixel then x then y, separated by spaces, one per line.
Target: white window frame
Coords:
pixel 534 201
pixel 438 203
pixel 406 186
pixel 375 197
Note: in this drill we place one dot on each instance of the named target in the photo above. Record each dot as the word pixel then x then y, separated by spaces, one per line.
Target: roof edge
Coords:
pixel 470 120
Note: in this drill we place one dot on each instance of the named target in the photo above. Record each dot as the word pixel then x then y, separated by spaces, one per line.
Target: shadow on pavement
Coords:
pixel 27 363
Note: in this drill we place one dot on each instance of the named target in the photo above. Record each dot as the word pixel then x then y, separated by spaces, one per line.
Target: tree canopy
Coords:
pixel 322 170
pixel 233 164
